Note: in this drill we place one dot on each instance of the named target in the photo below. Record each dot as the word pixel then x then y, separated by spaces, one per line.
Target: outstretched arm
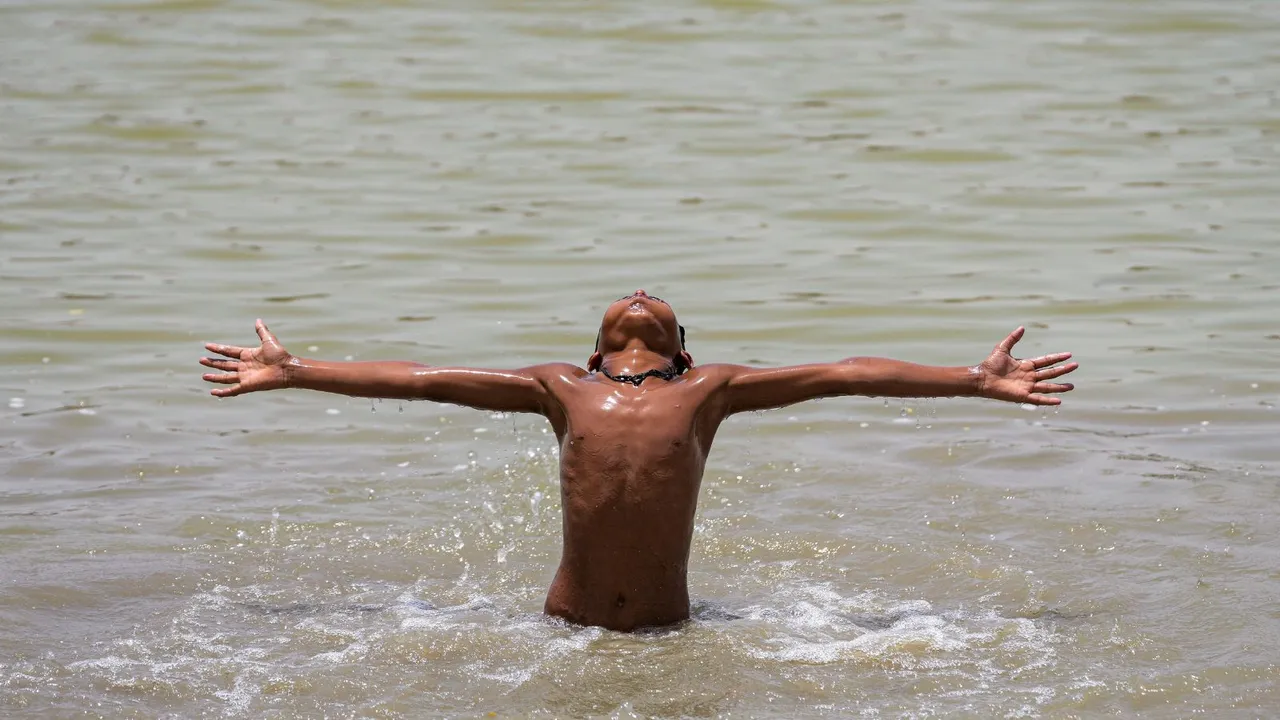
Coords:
pixel 271 367
pixel 999 377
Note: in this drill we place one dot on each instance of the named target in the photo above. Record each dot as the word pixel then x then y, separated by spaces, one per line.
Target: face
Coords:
pixel 640 320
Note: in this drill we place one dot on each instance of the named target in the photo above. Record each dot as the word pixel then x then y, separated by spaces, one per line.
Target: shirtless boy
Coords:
pixel 634 428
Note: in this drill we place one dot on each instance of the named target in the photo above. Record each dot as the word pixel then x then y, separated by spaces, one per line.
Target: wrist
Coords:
pixel 289 372
pixel 977 378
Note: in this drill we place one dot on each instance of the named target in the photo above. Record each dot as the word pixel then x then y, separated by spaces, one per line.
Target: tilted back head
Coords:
pixel 640 321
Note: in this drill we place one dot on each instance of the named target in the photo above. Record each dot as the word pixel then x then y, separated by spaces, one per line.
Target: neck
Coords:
pixel 635 362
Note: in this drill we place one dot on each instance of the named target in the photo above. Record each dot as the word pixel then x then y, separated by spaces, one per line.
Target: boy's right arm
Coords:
pixel 271 367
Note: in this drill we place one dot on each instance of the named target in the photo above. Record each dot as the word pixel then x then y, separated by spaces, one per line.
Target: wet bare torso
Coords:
pixel 631 463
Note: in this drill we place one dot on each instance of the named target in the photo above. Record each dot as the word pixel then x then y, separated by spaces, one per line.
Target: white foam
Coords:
pixel 243 691
pixel 354 651
pixel 111 663
pixel 815 624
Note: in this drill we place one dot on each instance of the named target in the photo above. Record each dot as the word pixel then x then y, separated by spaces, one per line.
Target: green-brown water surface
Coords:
pixel 471 182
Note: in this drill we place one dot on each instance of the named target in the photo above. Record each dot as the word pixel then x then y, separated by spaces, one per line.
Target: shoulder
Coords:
pixel 716 371
pixel 715 374
pixel 549 372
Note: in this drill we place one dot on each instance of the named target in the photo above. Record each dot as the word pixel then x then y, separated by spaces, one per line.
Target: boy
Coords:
pixel 635 427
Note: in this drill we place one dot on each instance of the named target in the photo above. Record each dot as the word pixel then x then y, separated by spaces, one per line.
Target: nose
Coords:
pixel 642 293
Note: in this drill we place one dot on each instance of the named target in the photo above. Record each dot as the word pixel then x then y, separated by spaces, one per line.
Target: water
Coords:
pixel 472 183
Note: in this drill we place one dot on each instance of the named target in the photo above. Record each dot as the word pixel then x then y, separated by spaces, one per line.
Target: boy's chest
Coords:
pixel 657 419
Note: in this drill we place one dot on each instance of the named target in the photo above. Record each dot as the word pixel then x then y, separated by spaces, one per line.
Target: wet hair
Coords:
pixel 679 361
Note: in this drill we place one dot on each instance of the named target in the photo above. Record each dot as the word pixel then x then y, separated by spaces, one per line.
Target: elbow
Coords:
pixel 424 385
pixel 851 377
pixel 869 377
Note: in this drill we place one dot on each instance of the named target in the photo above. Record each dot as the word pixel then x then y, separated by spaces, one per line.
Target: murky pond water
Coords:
pixel 471 183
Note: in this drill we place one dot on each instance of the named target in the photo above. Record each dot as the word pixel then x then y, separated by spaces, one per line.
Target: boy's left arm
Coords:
pixel 999 377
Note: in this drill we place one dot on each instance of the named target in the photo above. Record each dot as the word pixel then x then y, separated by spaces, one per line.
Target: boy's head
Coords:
pixel 641 321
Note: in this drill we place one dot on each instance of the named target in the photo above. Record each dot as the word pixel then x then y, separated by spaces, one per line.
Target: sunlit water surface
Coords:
pixel 470 183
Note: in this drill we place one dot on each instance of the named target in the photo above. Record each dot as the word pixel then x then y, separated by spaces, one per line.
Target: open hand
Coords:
pixel 248 369
pixel 1003 377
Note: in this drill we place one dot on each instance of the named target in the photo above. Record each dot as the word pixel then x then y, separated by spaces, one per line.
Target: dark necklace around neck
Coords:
pixel 639 377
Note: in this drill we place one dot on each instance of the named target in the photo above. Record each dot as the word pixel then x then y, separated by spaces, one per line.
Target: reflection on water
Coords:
pixel 470 183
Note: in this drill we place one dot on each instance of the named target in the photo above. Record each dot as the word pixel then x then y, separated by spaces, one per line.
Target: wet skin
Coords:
pixel 632 457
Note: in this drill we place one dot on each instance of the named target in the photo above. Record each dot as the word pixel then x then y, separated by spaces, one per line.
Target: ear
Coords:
pixel 594 362
pixel 685 360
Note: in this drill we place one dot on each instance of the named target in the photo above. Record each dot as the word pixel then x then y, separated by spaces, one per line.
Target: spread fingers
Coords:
pixel 1043 400
pixel 1006 345
pixel 1053 372
pixel 222 378
pixel 219 363
pixel 1044 360
pixel 232 351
